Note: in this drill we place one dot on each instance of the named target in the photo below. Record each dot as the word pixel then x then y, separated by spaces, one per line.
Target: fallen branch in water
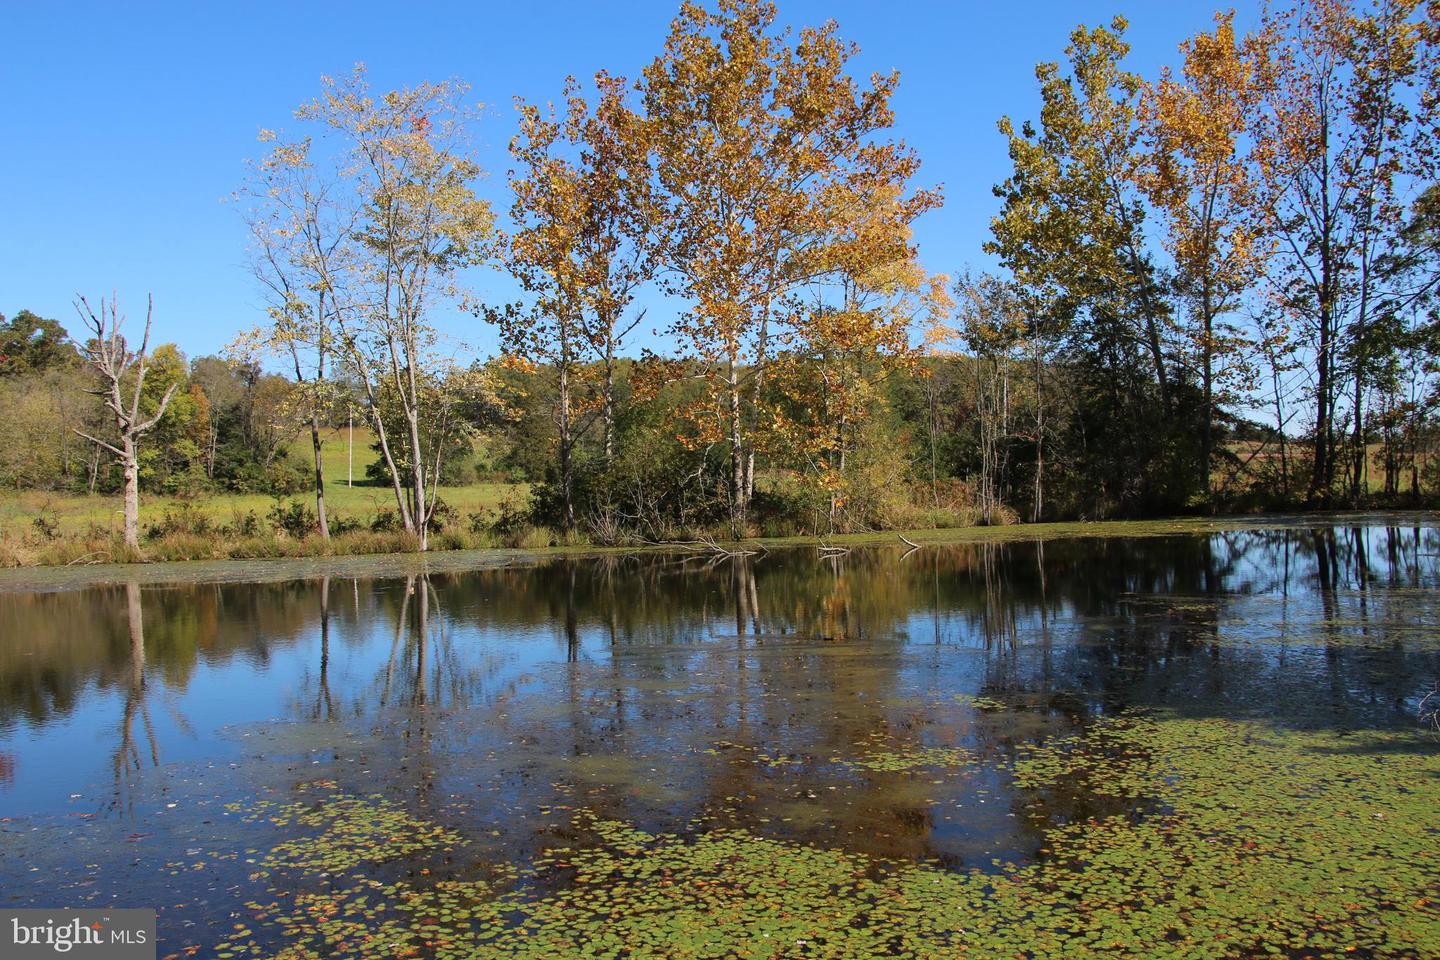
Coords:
pixel 708 545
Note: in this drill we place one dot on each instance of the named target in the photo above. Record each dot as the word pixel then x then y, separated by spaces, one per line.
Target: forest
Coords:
pixel 1208 290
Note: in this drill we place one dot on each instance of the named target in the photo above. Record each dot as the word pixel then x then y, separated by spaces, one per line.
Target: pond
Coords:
pixel 1204 744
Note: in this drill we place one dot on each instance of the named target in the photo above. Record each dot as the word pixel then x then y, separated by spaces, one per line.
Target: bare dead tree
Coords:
pixel 121 370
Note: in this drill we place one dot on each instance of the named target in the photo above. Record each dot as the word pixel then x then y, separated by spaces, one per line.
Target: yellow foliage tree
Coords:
pixel 1199 176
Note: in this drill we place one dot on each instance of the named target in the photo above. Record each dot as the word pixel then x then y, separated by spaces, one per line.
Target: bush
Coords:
pixel 441 516
pixel 479 521
pixel 339 526
pixel 47 527
pixel 294 519
pixel 511 518
pixel 181 519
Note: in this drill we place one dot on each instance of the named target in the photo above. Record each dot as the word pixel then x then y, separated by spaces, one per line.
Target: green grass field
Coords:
pixel 76 513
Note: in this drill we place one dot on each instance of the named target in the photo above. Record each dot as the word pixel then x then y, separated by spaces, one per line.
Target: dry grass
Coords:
pixel 70 551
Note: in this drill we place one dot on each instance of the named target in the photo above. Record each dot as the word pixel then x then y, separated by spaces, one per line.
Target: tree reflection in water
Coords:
pixel 615 677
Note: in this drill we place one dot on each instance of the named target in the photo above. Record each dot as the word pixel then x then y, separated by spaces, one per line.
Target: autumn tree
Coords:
pixel 42 381
pixel 419 221
pixel 303 254
pixel 847 334
pixel 582 247
pixel 1196 171
pixel 1342 134
pixel 121 372
pixel 754 133
pixel 1070 233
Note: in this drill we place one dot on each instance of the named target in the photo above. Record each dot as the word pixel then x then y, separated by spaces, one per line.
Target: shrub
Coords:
pixel 181 519
pixel 294 519
pixel 441 516
pixel 339 526
pixel 242 525
pixel 479 521
pixel 511 518
pixel 47 527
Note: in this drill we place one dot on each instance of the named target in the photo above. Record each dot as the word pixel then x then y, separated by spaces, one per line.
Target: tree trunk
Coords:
pixel 1207 353
pixel 401 503
pixel 1039 505
pixel 1357 477
pixel 738 500
pixel 609 412
pixel 94 467
pixel 417 475
pixel 1322 475
pixel 567 465
pixel 131 467
pixel 934 427
pixel 320 514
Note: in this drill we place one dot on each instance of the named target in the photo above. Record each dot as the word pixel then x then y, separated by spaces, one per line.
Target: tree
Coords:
pixel 1070 229
pixel 122 370
pixel 754 137
pixel 1338 138
pixel 30 343
pixel 419 222
pixel 1198 176
pixel 1098 320
pixel 457 400
pixel 33 453
pixel 846 339
pixel 172 461
pixel 583 245
pixel 302 249
pixel 993 324
pixel 41 383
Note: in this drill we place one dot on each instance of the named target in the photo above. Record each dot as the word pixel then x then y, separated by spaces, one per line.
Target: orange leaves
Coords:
pixel 1195 168
pixel 584 216
pixel 779 196
pixel 511 361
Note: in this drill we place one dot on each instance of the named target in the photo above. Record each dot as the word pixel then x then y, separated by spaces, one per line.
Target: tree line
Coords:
pixel 1212 288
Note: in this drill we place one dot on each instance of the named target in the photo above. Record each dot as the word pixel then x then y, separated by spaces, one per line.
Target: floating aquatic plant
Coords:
pixel 1256 840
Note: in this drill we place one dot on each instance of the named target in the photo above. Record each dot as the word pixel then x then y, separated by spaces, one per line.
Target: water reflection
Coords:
pixel 127 761
pixel 612 680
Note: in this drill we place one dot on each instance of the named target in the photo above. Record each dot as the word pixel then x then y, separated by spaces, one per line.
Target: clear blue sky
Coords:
pixel 125 125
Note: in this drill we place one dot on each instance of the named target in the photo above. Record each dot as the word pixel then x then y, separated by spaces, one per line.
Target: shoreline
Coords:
pixel 50 578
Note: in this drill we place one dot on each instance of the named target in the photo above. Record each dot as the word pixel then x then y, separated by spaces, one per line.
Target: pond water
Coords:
pixel 1177 745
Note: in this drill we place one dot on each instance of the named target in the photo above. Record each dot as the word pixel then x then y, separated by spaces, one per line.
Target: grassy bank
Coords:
pixel 41 530
pixel 370 555
pixel 45 528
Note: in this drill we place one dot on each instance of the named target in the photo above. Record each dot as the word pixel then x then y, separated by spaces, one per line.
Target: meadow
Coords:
pixel 39 526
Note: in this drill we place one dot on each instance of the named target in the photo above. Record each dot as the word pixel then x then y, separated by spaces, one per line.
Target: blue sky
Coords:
pixel 126 125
